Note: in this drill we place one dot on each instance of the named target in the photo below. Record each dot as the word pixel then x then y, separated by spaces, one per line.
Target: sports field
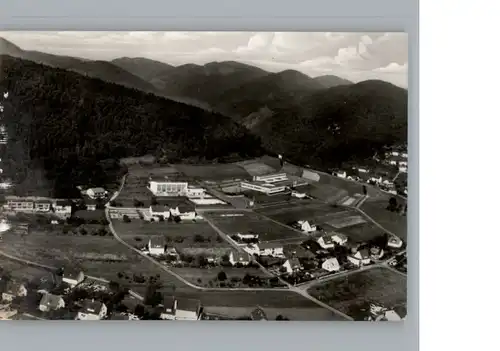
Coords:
pixel 351 294
pixel 252 222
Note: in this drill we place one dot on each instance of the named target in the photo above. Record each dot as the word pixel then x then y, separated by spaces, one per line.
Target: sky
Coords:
pixel 354 56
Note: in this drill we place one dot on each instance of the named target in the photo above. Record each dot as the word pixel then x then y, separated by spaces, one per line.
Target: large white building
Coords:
pixel 269 184
pixel 168 187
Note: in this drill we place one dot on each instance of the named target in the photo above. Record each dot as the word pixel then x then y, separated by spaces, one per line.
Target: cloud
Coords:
pixel 393 68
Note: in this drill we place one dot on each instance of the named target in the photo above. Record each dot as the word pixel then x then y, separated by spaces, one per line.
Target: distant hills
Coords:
pixel 324 121
pixel 65 124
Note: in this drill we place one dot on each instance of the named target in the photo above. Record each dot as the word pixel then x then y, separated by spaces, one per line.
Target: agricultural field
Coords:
pixel 317 213
pixel 208 277
pixel 216 172
pixel 351 294
pixel 181 235
pixel 232 223
pixel 361 232
pixel 293 314
pixel 392 221
pixel 21 271
pixel 135 188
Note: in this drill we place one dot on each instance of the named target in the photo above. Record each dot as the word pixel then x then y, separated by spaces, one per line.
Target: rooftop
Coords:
pixel 50 301
pixel 157 242
pixel 97 190
pixel 91 306
pixel 169 179
pixel 191 305
pixel 240 256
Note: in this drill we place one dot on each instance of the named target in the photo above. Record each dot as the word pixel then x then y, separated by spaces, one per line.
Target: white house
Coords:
pixel 271 249
pixel 188 310
pixel 156 246
pixel 72 277
pixel 159 211
pixel 331 265
pixel 376 253
pixel 395 153
pixel 403 169
pixel 252 249
pixel 247 236
pixel 92 311
pixel 180 309
pixel 404 154
pixel 391 316
pixel 375 179
pixel 393 162
pixel 292 265
pixel 307 227
pixel 96 193
pixel 363 170
pixel 403 163
pixel 51 302
pixel 339 239
pixel 395 242
pixel 326 242
pixel 360 258
pixel 340 174
pixel 236 257
pixel 90 204
pixel 195 192
pixel 184 212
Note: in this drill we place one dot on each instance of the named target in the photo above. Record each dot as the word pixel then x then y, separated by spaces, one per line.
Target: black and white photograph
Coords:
pixel 203 176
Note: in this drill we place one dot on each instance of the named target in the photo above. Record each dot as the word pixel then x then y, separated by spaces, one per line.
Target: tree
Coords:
pixel 221 276
pixel 126 219
pixel 154 201
pixel 198 238
pixel 393 204
pixel 365 190
pixel 83 231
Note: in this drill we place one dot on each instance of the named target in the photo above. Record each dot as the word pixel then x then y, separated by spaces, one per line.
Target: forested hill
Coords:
pixel 63 125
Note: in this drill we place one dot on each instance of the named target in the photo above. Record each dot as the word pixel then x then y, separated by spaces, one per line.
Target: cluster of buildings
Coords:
pixel 32 204
pixel 272 184
pixel 176 186
pixel 381 313
pixel 173 207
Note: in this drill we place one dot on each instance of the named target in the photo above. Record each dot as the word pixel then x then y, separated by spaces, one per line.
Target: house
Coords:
pixel 403 169
pixel 123 317
pixel 50 302
pixel 236 257
pixel 90 204
pixel 326 242
pixel 404 154
pixel 252 249
pixel 195 192
pixel 211 258
pixel 375 179
pixel 188 309
pixel 168 186
pixel 292 265
pixel 391 316
pixel 21 204
pixel 11 289
pixel 376 253
pixel 331 265
pixel 247 236
pixel 340 174
pixel 307 227
pixel 159 211
pixel 96 193
pixel 92 311
pixel 183 210
pixel 42 205
pixel 394 242
pixel 298 195
pixel 360 258
pixel 395 153
pixel 403 163
pixel 339 239
pixel 258 314
pixel 180 309
pixel 271 249
pixel 169 306
pixel 363 170
pixel 72 277
pixel 156 246
pixel 171 252
pixel 264 187
pixel 6 313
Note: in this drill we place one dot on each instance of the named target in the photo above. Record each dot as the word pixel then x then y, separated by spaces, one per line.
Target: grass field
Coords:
pixel 173 232
pixel 389 220
pixel 361 232
pixel 294 314
pixel 252 222
pixel 215 172
pixel 21 271
pixel 316 213
pixel 135 188
pixel 351 294
pixel 207 277
pixel 153 170
pixel 256 168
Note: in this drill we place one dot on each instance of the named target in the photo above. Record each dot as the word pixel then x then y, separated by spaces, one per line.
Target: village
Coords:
pixel 262 224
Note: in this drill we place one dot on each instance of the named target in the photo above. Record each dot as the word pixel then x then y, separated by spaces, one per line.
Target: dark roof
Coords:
pixel 89 201
pixel 159 208
pixel 50 301
pixel 43 202
pixel 119 317
pixel 63 203
pixel 169 303
pixel 258 315
pixel 191 305
pixel 401 311
pixel 90 306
